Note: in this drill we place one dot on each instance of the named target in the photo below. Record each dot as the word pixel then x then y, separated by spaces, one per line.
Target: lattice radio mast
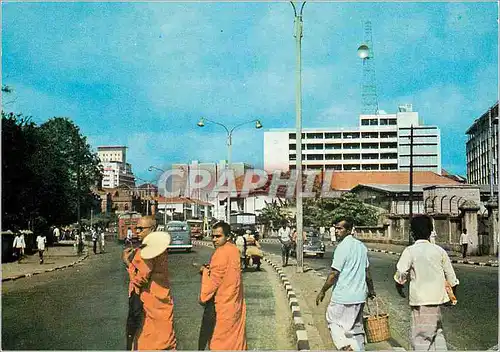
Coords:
pixel 369 87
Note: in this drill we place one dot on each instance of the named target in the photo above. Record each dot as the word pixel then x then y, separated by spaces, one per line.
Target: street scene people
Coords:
pixel 102 241
pixel 149 279
pixel 41 241
pixel 429 270
pixel 19 245
pixel 285 238
pixel 333 238
pixel 254 253
pixel 351 278
pixel 95 239
pixel 241 244
pixel 465 240
pixel 433 237
pixel 222 281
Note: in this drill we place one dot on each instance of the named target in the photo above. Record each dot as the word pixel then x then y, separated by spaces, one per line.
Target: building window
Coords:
pixel 388 134
pixel 314 157
pixel 393 122
pixel 388 167
pixel 351 135
pixel 387 145
pixel 384 122
pixel 370 156
pixel 351 145
pixel 351 167
pixel 369 135
pixel 365 122
pixel 369 145
pixel 315 135
pixel 292 135
pixel 334 167
pixel 373 122
pixel 292 157
pixel 351 156
pixel 388 156
pixel 315 147
pixel 333 146
pixel 333 157
pixel 333 135
pixel 370 167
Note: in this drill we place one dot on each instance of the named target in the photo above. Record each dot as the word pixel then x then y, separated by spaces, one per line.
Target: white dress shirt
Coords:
pixel 428 266
pixel 285 234
pixel 465 239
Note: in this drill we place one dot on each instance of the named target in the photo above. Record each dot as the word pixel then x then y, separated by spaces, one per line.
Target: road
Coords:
pixel 85 307
pixel 471 325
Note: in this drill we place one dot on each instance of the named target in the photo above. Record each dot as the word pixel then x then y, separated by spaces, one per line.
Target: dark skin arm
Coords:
pixel 369 283
pixel 330 281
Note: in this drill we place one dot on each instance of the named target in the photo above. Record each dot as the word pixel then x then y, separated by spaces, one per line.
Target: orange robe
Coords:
pixel 157 332
pixel 223 279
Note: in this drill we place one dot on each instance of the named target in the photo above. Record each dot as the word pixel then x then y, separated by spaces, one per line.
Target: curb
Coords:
pixel 300 329
pixel 454 261
pixel 13 278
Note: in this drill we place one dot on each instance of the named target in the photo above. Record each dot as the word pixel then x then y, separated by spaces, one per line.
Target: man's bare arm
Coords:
pixel 330 281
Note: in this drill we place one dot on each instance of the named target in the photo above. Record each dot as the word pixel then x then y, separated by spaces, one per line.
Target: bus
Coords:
pixel 125 221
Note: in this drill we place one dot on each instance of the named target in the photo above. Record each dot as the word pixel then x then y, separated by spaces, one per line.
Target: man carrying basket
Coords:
pixel 351 276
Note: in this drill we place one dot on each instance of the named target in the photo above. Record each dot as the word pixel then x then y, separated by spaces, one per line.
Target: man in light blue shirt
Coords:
pixel 351 276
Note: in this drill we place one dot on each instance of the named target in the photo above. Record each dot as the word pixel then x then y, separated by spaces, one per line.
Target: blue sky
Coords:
pixel 142 74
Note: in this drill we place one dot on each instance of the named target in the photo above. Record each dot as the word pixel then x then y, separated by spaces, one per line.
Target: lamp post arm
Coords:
pixel 220 124
pixel 241 124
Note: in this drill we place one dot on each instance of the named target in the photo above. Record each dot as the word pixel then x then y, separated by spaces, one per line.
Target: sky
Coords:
pixel 142 74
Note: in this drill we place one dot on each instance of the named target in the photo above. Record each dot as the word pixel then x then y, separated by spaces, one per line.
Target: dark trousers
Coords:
pixel 40 254
pixel 285 252
pixel 135 319
pixel 207 325
pixel 95 247
pixel 464 249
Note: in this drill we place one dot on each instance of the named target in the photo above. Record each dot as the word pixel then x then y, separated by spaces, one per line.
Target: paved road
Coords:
pixel 85 307
pixel 471 325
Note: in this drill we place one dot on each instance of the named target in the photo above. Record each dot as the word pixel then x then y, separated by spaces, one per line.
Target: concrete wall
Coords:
pixel 435 196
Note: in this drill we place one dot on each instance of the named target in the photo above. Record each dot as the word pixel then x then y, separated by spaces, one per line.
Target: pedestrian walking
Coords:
pixel 351 277
pixel 95 238
pixel 103 242
pixel 19 245
pixel 56 233
pixel 41 241
pixel 221 281
pixel 285 238
pixel 464 242
pixel 429 270
pixel 152 327
pixel 333 238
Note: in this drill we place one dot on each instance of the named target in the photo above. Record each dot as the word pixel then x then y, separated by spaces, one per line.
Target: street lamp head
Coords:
pixel 258 125
pixel 201 123
pixel 364 51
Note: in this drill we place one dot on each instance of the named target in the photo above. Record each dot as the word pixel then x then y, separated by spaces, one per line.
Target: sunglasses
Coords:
pixel 141 228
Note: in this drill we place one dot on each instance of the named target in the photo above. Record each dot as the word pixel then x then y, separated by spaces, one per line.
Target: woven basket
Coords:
pixel 376 326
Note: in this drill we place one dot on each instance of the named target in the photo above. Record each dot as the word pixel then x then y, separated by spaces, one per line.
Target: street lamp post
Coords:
pixel 298 134
pixel 229 132
pixel 410 216
pixel 151 168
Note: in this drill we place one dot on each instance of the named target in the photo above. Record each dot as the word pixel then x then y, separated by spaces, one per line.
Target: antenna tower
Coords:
pixel 369 87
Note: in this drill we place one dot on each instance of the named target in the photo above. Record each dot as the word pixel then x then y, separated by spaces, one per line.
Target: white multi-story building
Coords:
pixel 116 170
pixel 380 142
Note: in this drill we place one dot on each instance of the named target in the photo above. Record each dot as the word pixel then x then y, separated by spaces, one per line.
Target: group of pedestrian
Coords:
pixel 98 239
pixel 150 324
pixel 249 248
pixel 288 240
pixel 425 265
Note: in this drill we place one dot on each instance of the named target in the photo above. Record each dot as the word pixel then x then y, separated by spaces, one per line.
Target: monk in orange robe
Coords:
pixel 149 278
pixel 222 281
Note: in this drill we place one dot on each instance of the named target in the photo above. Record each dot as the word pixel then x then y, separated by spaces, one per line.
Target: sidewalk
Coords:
pixel 305 289
pixel 485 260
pixel 54 259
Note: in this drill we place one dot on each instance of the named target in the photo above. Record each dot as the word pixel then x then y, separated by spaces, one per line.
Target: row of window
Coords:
pixel 371 156
pixel 329 146
pixel 346 135
pixel 349 167
pixel 376 122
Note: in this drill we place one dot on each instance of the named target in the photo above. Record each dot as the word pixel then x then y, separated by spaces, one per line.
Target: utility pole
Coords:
pixel 410 216
pixel 298 135
pixel 78 171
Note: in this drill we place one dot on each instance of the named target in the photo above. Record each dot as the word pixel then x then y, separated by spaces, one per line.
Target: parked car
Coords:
pixel 313 245
pixel 181 235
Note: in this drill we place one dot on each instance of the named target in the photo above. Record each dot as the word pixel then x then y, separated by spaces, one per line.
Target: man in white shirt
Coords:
pixel 40 243
pixel 464 242
pixel 19 245
pixel 427 267
pixel 351 276
pixel 332 235
pixel 57 233
pixel 285 238
pixel 433 237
